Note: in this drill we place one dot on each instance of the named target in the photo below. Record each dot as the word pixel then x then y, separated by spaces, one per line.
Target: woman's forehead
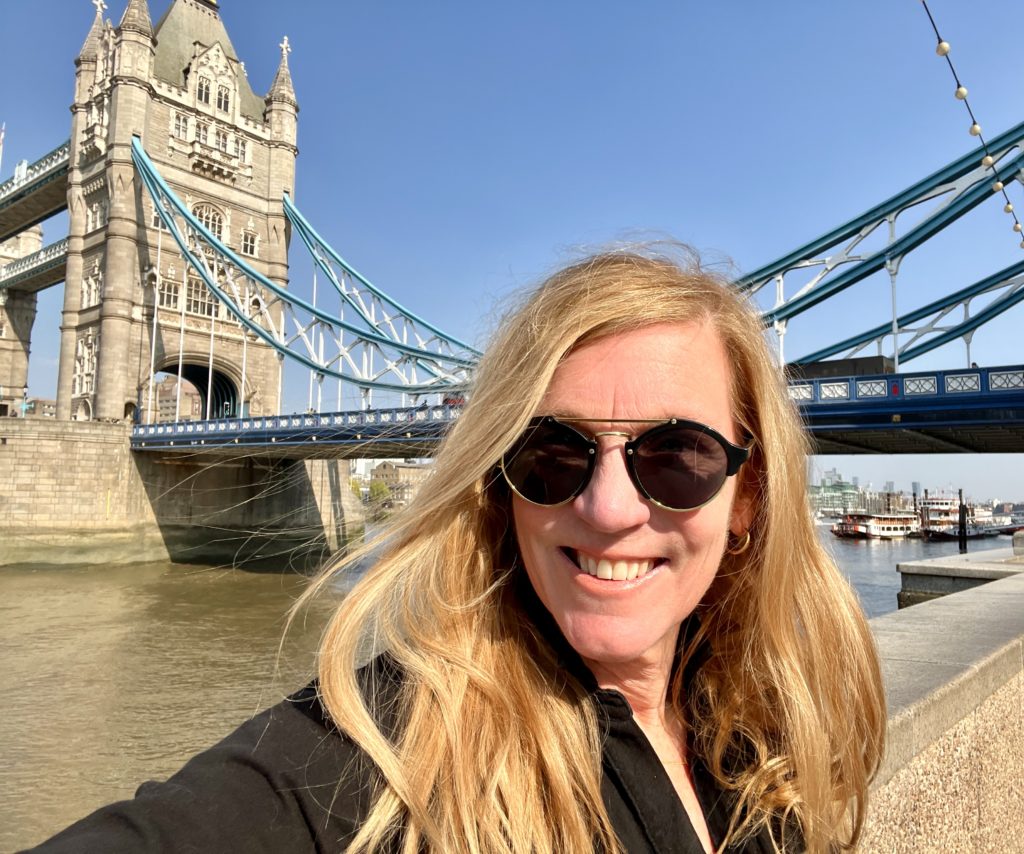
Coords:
pixel 664 370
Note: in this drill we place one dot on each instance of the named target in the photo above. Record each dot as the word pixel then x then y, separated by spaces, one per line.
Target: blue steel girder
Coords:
pixel 353 350
pixel 929 319
pixel 958 187
pixel 372 305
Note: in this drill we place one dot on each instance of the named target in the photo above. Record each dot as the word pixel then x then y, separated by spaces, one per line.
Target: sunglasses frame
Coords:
pixel 736 455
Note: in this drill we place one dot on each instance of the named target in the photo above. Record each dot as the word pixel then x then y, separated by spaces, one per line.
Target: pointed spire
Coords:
pixel 282 89
pixel 136 17
pixel 91 48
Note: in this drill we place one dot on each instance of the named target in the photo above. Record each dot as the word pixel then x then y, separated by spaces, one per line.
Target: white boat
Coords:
pixel 940 519
pixel 890 525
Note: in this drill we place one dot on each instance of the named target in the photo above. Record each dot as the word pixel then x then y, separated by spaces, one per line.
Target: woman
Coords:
pixel 605 623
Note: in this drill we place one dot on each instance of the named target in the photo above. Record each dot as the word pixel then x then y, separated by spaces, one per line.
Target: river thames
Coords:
pixel 112 676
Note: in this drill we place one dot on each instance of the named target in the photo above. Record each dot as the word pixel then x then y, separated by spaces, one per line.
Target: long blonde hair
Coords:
pixel 498 749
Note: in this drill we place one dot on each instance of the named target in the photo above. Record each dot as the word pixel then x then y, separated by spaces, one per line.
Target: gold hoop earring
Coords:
pixel 741 545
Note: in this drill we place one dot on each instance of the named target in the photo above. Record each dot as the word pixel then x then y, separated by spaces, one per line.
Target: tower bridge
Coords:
pixel 178 182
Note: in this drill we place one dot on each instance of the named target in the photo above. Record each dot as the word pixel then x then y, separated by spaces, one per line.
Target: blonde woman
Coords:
pixel 605 624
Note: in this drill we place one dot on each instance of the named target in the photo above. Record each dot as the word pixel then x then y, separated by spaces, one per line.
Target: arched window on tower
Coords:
pixel 181 126
pixel 203 90
pixel 209 216
pixel 223 99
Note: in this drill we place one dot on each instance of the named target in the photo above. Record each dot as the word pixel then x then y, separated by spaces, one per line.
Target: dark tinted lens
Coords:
pixel 680 467
pixel 548 464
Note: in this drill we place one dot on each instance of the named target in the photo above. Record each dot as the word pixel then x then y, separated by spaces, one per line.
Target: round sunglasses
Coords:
pixel 679 465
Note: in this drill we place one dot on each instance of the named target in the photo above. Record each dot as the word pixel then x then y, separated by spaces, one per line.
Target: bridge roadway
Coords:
pixel 36 191
pixel 979 410
pixel 370 434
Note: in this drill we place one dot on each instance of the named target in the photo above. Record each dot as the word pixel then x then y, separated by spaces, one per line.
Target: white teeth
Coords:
pixel 619 570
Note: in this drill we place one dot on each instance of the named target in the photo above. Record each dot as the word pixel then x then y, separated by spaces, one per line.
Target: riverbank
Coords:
pixel 954 679
pixel 75 493
pixel 924 580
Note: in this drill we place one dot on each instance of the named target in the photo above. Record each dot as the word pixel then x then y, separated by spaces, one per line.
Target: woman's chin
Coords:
pixel 616 642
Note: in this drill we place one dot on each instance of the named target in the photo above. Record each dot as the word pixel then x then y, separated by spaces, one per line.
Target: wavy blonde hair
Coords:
pixel 498 749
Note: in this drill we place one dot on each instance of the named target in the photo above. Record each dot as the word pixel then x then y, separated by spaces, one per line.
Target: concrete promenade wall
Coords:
pixel 75 493
pixel 953 775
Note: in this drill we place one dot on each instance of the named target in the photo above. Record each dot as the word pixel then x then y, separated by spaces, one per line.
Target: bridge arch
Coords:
pixel 82 410
pixel 222 393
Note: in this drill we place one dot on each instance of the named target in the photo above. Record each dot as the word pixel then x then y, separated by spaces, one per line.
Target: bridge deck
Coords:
pixel 979 410
pixel 373 434
pixel 37 271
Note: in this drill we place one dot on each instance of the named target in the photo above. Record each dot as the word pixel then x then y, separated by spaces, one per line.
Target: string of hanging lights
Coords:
pixel 942 49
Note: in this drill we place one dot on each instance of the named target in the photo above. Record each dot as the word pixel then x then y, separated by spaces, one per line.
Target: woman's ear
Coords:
pixel 742 516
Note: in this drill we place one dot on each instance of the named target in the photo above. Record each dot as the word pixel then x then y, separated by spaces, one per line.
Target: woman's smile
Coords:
pixel 618 572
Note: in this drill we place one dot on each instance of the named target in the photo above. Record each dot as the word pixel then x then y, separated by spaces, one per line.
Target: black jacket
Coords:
pixel 288 781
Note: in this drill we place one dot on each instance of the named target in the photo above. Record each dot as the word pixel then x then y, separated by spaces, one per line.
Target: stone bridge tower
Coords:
pixel 227 152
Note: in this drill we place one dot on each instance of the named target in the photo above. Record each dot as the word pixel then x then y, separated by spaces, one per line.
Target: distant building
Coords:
pixel 166 403
pixel 834 496
pixel 402 479
pixel 37 407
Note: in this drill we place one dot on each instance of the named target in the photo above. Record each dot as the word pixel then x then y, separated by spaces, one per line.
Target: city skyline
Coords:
pixel 457 154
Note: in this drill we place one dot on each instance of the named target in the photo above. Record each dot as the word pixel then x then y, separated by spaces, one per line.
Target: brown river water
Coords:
pixel 110 676
pixel 113 675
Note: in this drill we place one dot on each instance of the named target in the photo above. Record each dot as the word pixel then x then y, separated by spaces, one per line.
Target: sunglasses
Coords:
pixel 679 465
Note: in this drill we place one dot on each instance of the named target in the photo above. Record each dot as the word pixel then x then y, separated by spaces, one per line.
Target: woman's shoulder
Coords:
pixel 284 780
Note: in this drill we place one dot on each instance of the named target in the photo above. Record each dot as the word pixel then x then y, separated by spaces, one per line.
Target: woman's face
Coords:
pixel 658 372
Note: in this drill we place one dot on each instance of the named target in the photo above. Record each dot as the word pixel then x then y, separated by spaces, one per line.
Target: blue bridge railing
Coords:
pixel 925 387
pixel 397 426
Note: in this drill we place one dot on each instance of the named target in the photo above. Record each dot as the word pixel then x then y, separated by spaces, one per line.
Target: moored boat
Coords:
pixel 890 525
pixel 940 520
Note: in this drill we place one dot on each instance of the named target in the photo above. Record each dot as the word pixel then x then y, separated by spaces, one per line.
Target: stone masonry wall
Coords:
pixel 75 493
pixel 953 775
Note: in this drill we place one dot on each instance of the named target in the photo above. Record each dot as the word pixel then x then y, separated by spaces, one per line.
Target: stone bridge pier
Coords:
pixel 75 493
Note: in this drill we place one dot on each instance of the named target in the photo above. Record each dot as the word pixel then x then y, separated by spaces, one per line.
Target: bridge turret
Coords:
pixel 87 203
pixel 136 19
pixel 91 47
pixel 114 188
pixel 135 48
pixel 281 114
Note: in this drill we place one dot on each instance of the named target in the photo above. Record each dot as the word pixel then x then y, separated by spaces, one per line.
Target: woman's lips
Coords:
pixel 612 569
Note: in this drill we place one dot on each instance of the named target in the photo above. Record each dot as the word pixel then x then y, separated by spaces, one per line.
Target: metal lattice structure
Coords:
pixel 838 259
pixel 939 322
pixel 369 341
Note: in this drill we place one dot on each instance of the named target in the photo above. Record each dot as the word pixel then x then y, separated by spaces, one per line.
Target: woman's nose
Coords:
pixel 611 501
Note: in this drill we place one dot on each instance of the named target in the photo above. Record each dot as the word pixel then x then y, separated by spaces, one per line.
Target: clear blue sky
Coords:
pixel 457 151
